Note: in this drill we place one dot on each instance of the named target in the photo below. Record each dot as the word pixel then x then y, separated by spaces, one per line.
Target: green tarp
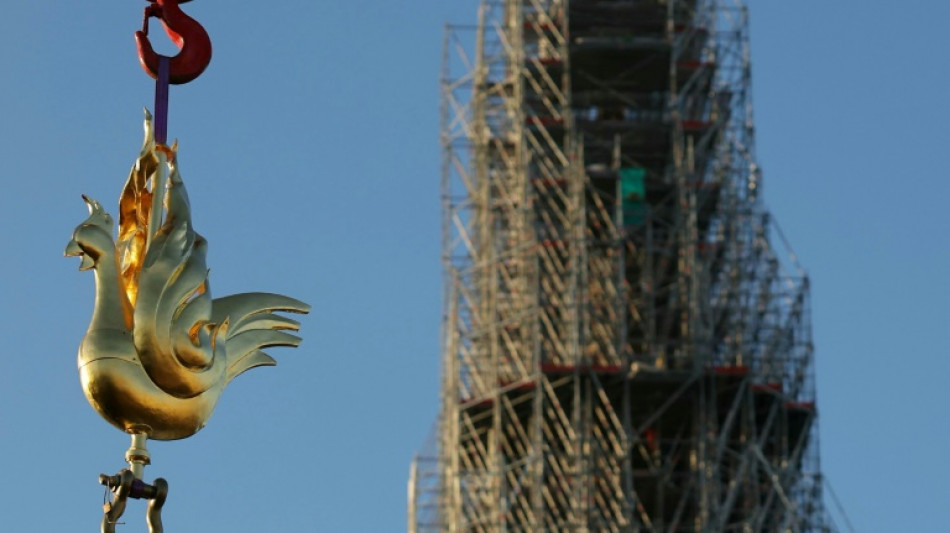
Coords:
pixel 633 194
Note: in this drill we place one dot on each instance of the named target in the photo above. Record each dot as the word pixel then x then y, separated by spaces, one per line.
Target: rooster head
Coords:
pixel 93 237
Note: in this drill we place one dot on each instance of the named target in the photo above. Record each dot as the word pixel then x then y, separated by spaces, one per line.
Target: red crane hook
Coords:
pixel 190 37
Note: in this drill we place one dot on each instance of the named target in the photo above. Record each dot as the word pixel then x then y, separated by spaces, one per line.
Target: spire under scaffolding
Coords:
pixel 625 346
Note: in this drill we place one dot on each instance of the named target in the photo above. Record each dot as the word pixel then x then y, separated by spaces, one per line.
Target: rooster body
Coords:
pixel 159 350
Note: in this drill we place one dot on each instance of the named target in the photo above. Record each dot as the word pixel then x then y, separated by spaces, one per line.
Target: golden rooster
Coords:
pixel 159 350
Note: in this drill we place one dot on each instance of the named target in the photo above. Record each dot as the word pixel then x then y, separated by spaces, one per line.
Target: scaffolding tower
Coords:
pixel 625 347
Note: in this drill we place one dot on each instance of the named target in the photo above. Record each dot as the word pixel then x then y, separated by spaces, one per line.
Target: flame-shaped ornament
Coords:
pixel 159 350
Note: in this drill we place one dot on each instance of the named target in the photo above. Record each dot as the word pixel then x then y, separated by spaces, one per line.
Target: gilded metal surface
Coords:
pixel 159 350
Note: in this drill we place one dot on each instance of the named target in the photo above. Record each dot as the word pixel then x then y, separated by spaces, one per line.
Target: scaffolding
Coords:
pixel 626 347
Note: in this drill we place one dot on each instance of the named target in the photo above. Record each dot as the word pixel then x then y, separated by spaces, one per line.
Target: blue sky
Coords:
pixel 310 152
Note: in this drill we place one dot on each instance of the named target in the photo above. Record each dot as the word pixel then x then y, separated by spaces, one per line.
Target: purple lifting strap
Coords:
pixel 161 102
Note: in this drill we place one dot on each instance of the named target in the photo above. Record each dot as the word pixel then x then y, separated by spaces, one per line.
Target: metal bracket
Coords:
pixel 124 485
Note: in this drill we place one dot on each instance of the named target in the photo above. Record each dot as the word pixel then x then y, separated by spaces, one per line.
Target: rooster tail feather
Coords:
pixel 244 349
pixel 247 362
pixel 245 307
pixel 266 321
pixel 255 324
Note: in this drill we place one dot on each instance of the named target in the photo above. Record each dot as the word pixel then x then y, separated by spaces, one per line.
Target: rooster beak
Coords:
pixel 86 263
pixel 73 249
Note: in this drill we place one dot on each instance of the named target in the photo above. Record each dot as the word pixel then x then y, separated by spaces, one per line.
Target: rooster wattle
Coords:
pixel 159 350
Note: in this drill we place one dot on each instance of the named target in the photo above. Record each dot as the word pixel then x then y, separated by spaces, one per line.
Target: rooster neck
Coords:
pixel 112 308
